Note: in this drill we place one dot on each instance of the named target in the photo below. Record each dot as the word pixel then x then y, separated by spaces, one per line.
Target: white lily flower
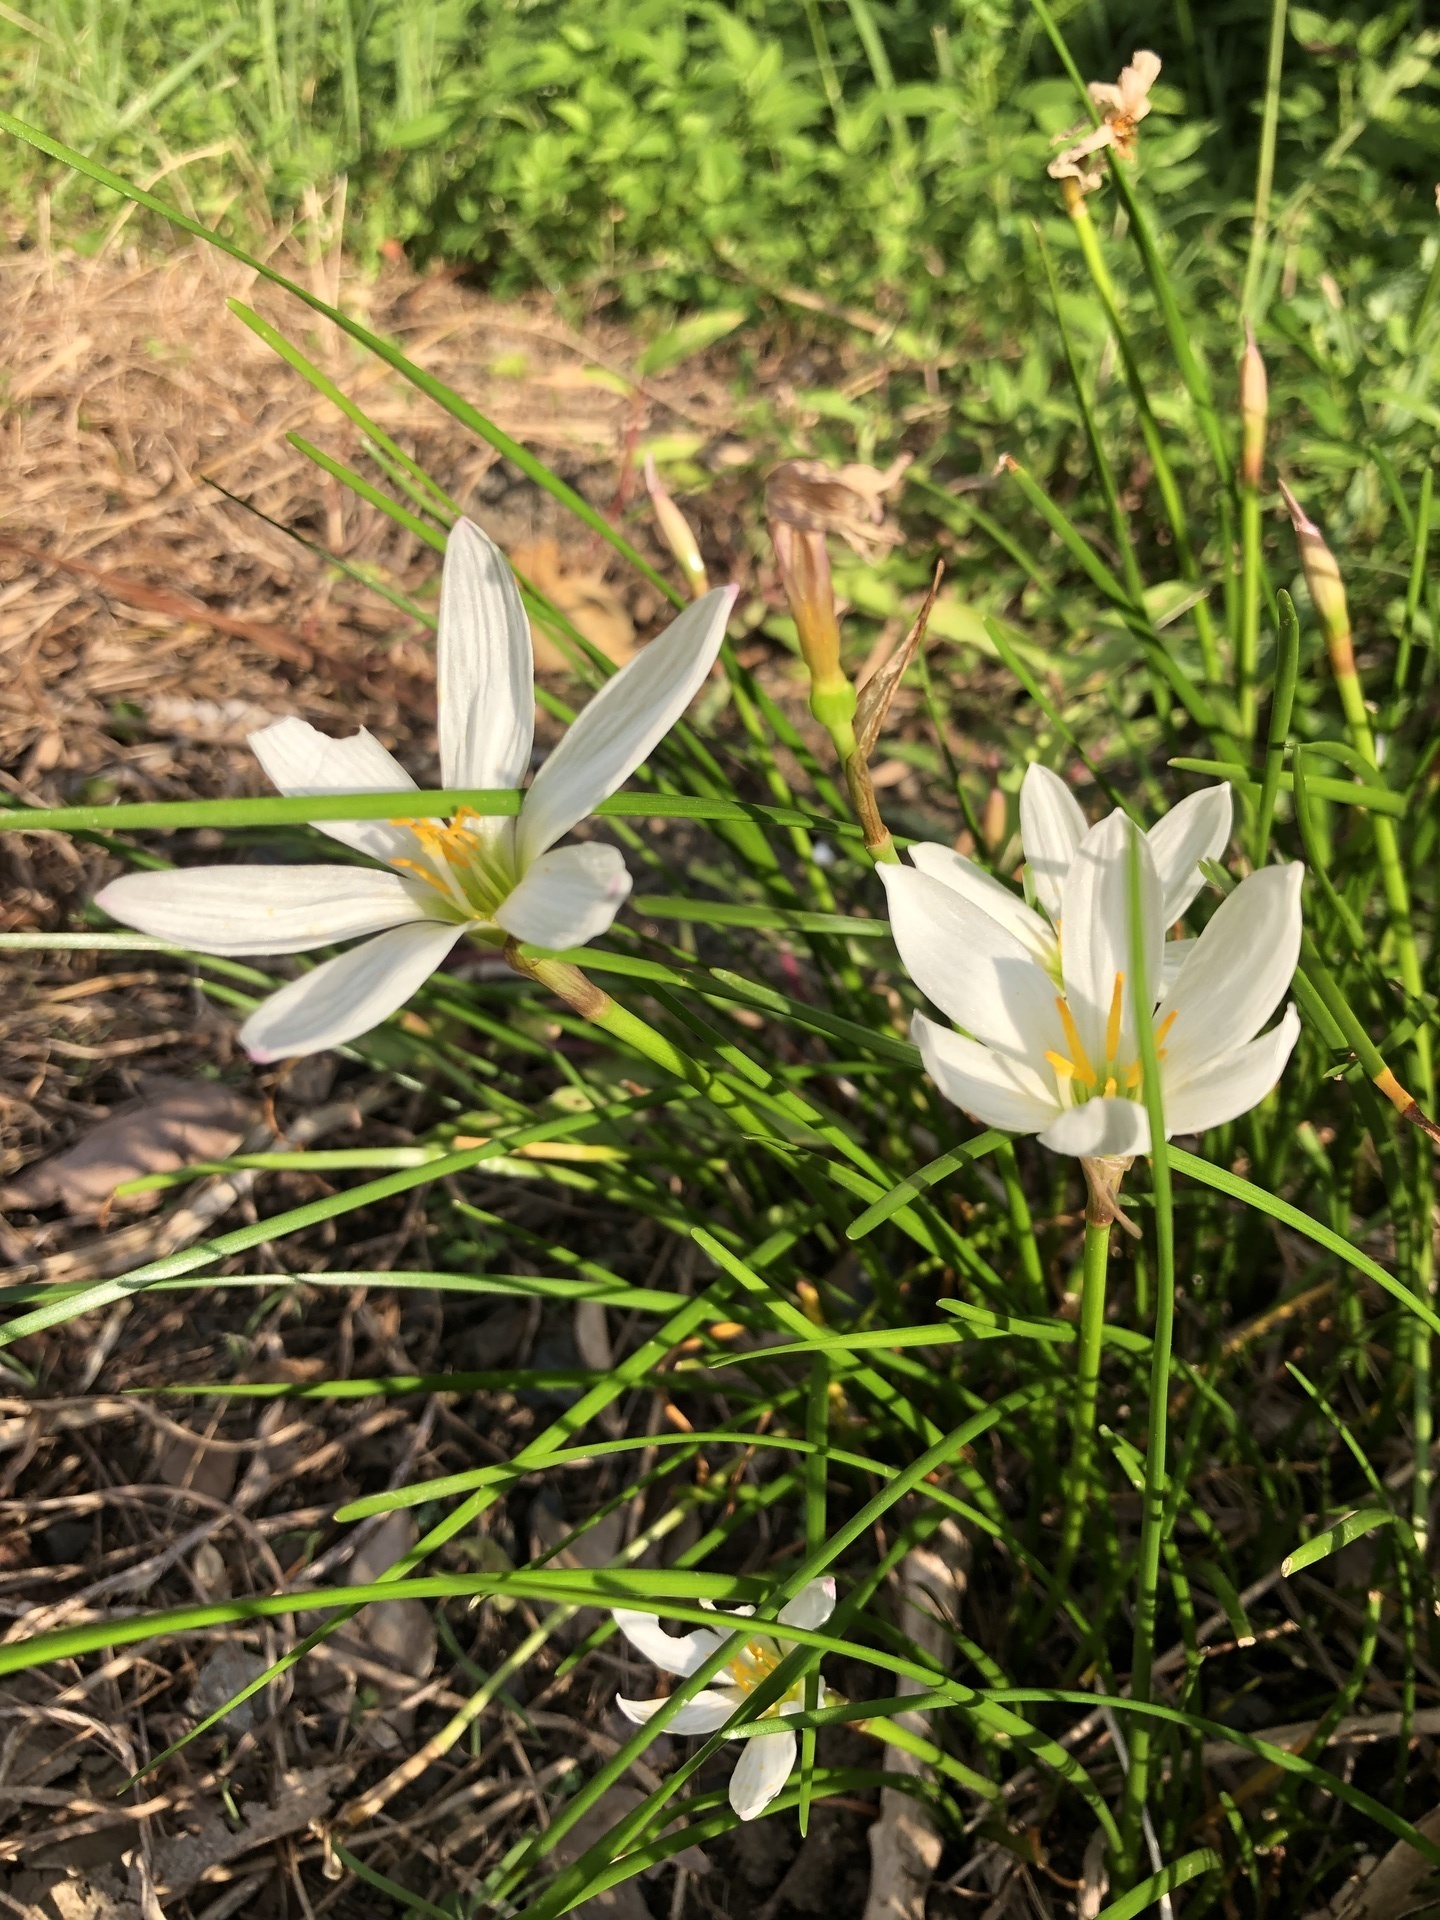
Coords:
pixel 1049 1042
pixel 492 878
pixel 767 1761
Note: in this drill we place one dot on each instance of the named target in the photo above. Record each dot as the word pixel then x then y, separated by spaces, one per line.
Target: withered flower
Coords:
pixel 1126 105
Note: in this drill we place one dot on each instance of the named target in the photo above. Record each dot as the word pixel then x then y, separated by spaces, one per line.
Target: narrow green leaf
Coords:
pixel 1350 793
pixel 1149 1892
pixel 688 337
pixel 1281 1210
pixel 1354 1525
pixel 921 1179
pixel 724 913
pixel 406 803
pixel 391 1888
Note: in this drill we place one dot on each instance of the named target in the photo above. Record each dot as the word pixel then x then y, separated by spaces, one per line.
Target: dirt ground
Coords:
pixel 147 624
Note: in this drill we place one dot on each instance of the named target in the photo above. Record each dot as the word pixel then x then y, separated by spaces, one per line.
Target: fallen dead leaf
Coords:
pixel 176 1123
pixel 189 1859
pixel 583 596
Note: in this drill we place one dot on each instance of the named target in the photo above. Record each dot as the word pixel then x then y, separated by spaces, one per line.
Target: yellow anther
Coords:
pixel 1112 1087
pixel 1133 1077
pixel 1065 1069
pixel 1081 1068
pixel 1164 1028
pixel 1112 1025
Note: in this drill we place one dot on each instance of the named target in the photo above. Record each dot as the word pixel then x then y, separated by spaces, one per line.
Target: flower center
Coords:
pixel 1077 1078
pixel 755 1662
pixel 469 861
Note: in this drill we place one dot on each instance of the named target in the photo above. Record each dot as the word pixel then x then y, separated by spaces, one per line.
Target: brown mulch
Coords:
pixel 147 624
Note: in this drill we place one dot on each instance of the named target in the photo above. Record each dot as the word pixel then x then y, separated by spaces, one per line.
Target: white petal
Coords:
pixel 1230 1086
pixel 347 996
pixel 1095 934
pixel 1237 974
pixel 1177 952
pixel 993 1088
pixel 707 1712
pixel 971 966
pixel 622 724
pixel 761 1772
pixel 299 759
pixel 1198 829
pixel 261 909
pixel 811 1607
pixel 963 876
pixel 1099 1130
pixel 484 666
pixel 1051 828
pixel 570 895
pixel 678 1653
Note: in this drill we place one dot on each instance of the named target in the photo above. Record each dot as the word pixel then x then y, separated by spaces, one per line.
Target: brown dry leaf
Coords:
pixel 191 1858
pixel 191 1463
pixel 177 1123
pixel 581 594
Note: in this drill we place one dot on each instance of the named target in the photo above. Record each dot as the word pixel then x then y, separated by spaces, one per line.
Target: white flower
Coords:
pixel 488 877
pixel 765 1765
pixel 1049 1043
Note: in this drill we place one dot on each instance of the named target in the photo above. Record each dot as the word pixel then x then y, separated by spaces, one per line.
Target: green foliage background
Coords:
pixel 675 152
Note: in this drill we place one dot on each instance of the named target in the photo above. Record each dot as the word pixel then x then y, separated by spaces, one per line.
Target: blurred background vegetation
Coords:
pixel 667 151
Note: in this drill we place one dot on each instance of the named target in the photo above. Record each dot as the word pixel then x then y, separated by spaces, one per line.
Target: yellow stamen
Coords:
pixel 1064 1068
pixel 1112 1025
pixel 1164 1028
pixel 1111 1087
pixel 1082 1068
pixel 1132 1077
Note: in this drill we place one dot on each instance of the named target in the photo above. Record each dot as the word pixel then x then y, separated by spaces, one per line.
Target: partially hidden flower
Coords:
pixel 1126 105
pixel 491 878
pixel 768 1758
pixel 1049 1041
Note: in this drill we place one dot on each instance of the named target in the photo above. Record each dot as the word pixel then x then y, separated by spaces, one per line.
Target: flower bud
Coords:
pixel 676 530
pixel 1254 410
pixel 1327 589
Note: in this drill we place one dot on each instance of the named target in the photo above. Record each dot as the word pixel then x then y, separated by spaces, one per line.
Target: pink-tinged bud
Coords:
pixel 1254 411
pixel 1327 589
pixel 676 531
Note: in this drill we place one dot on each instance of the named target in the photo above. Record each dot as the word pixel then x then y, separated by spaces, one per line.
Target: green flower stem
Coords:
pixel 1076 207
pixel 1153 1505
pixel 1087 1388
pixel 1282 702
pixel 1335 621
pixel 1247 651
